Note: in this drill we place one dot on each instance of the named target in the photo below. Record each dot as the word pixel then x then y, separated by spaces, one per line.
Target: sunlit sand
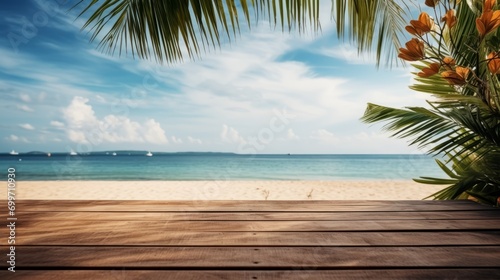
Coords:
pixel 224 190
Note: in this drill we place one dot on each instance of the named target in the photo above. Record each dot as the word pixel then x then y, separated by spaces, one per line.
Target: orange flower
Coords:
pixel 488 5
pixel 414 50
pixel 431 3
pixel 421 26
pixel 494 63
pixel 487 22
pixel 429 71
pixel 450 18
pixel 456 77
pixel 448 63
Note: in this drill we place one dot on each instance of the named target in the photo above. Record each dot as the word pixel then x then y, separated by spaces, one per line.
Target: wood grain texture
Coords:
pixel 188 238
pixel 258 216
pixel 244 206
pixel 254 240
pixel 75 226
pixel 255 257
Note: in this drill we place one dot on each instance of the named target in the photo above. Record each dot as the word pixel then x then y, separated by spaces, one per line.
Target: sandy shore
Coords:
pixel 223 190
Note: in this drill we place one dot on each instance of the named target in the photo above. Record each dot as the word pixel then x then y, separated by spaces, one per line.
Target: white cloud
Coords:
pixel 15 138
pixel 79 113
pixel 176 140
pixel 83 126
pixel 12 138
pixel 324 136
pixel 100 98
pixel 153 133
pixel 24 97
pixel 25 108
pixel 57 124
pixel 231 135
pixel 193 140
pixel 27 126
pixel 348 53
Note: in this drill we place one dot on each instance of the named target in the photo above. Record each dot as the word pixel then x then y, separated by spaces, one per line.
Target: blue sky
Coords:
pixel 267 92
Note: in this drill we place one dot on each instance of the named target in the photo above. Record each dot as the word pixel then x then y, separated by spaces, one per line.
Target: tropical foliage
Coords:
pixel 455 49
pixel 458 63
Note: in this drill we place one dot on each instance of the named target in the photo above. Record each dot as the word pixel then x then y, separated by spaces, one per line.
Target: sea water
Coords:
pixel 218 166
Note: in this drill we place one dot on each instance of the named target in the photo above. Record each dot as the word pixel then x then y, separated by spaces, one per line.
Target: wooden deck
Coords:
pixel 254 240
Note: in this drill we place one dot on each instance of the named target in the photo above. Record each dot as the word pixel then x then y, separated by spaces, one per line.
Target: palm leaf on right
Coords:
pixel 468 136
pixel 458 60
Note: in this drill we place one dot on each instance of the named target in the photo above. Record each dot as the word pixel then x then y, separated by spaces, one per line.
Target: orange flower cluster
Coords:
pixel 489 19
pixel 429 71
pixel 448 63
pixel 449 18
pixel 414 50
pixel 421 26
pixel 456 77
pixel 494 63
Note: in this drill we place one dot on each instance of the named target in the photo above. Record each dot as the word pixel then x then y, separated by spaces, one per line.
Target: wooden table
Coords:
pixel 253 240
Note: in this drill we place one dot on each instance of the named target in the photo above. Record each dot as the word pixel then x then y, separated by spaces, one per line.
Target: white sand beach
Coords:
pixel 222 190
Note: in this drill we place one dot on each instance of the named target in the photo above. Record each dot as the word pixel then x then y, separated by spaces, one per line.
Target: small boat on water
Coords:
pixel 114 154
pixel 73 153
pixel 49 154
pixel 13 153
pixel 149 154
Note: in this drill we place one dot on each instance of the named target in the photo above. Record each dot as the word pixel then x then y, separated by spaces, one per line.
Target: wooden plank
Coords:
pixel 292 274
pixel 162 238
pixel 30 257
pixel 242 206
pixel 75 227
pixel 256 216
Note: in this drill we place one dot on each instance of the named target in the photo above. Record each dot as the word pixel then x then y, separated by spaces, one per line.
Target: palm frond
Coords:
pixel 159 29
pixel 459 131
pixel 468 134
pixel 479 180
pixel 150 28
pixel 371 24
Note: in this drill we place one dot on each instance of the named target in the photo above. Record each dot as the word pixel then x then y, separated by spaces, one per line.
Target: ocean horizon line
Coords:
pixel 105 152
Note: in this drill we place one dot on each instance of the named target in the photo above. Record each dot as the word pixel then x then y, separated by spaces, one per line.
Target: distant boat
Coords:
pixel 149 154
pixel 48 154
pixel 73 153
pixel 114 154
pixel 14 153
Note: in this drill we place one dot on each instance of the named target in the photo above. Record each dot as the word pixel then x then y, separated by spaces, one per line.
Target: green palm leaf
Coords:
pixel 158 29
pixel 467 134
pixel 153 28
pixel 364 21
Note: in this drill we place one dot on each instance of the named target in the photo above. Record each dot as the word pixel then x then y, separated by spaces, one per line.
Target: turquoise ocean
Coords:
pixel 134 165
